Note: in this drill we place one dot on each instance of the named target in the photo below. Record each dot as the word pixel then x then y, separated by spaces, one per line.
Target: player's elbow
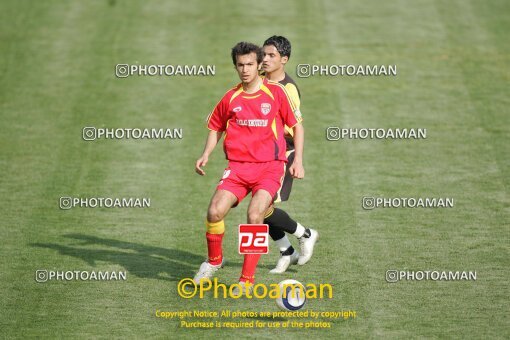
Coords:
pixel 298 129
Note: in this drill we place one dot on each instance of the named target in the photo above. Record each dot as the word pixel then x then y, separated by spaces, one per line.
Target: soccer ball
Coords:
pixel 292 295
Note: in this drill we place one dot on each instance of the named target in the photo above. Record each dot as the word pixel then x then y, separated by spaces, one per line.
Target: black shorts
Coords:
pixel 286 187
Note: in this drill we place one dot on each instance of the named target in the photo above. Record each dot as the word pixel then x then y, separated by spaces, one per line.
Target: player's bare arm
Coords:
pixel 296 169
pixel 212 139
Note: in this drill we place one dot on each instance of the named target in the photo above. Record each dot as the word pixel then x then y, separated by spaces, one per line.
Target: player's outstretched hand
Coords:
pixel 297 170
pixel 201 162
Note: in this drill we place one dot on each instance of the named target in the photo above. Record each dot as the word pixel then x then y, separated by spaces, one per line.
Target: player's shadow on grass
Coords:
pixel 138 259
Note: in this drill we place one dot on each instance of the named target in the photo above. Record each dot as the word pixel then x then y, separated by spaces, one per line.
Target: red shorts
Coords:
pixel 242 177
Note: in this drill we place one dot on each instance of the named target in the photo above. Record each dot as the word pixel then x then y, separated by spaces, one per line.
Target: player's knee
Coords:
pixel 214 214
pixel 255 216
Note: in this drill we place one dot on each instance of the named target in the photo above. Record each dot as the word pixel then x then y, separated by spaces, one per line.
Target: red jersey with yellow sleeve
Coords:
pixel 254 123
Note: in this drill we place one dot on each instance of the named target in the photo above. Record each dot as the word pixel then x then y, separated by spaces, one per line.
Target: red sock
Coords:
pixel 249 267
pixel 214 250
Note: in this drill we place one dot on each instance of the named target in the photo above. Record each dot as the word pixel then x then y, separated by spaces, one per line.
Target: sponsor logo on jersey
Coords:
pixel 252 122
pixel 237 109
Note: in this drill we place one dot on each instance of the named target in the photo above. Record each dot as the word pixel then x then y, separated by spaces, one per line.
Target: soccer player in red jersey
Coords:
pixel 252 115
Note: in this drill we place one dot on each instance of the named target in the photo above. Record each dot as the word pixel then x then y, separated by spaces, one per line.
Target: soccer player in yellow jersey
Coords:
pixel 277 51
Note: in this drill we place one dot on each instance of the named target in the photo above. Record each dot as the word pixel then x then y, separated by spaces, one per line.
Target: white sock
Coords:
pixel 283 243
pixel 300 230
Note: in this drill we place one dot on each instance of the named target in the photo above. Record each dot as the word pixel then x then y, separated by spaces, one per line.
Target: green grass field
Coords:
pixel 57 76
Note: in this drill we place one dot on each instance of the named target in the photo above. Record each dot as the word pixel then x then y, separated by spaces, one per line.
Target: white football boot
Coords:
pixel 244 288
pixel 284 263
pixel 207 271
pixel 307 245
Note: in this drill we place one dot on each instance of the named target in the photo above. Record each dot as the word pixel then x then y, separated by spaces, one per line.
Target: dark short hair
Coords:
pixel 282 45
pixel 244 48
